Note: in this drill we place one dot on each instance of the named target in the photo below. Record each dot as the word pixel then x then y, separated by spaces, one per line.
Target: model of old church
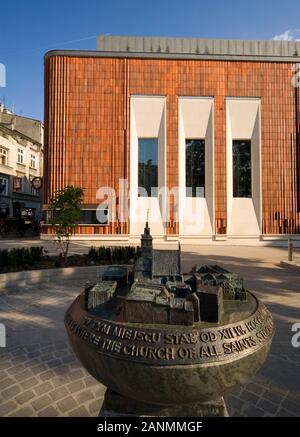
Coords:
pixel 154 290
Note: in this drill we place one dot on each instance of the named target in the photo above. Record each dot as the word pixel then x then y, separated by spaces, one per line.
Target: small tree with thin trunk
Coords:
pixel 65 208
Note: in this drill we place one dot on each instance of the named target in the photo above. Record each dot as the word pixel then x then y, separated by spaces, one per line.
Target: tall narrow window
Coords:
pixel 3 156
pixel 195 167
pixel 20 156
pixel 4 186
pixel 241 150
pixel 17 184
pixel 32 161
pixel 148 164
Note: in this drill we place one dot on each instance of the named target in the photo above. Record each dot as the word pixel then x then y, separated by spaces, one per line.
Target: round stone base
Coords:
pixel 116 405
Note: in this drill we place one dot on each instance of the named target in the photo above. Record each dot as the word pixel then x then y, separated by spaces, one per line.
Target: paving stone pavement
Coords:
pixel 40 376
pixel 45 379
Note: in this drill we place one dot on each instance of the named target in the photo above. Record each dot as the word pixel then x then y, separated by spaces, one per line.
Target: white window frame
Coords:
pixel 3 152
pixel 32 160
pixel 20 156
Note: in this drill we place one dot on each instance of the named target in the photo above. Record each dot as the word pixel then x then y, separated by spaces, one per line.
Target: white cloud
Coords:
pixel 288 35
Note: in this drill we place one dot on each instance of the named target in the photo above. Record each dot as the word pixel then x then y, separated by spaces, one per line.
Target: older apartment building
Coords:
pixel 216 119
pixel 21 160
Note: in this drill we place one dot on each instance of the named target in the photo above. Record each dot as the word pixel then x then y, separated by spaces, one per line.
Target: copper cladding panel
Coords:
pixel 87 126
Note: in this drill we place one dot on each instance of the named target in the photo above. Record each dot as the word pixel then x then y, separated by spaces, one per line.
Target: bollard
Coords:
pixel 290 249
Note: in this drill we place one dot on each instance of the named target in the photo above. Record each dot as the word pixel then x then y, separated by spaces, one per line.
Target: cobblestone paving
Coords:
pixel 262 398
pixel 40 376
pixel 46 380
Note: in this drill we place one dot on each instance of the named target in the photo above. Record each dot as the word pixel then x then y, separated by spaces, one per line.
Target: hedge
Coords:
pixel 118 254
pixel 23 257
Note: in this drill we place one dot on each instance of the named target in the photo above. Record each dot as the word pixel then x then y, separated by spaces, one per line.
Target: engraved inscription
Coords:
pixel 194 345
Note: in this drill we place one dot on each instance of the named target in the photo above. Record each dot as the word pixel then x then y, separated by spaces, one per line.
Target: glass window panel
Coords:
pixel 148 164
pixel 20 156
pixel 3 156
pixel 4 186
pixel 32 161
pixel 89 217
pixel 242 176
pixel 195 167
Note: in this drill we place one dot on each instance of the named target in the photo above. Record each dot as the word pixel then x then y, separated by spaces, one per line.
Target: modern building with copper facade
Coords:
pixel 214 121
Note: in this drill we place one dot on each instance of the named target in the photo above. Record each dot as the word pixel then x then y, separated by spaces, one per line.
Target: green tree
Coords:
pixel 65 208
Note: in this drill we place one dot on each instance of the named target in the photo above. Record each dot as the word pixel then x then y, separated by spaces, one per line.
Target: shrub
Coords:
pixel 117 254
pixel 93 254
pixel 101 254
pixel 132 252
pixel 26 256
pixel 36 253
pixel 4 258
pixel 12 258
pixel 138 253
pixel 107 254
pixel 20 257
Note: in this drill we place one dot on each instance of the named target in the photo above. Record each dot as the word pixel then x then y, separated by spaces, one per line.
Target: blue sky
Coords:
pixel 30 28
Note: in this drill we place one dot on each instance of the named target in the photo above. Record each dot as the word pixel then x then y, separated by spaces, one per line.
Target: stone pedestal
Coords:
pixel 165 370
pixel 116 405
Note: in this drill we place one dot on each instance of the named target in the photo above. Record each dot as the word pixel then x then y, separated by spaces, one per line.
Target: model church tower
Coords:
pixel 147 241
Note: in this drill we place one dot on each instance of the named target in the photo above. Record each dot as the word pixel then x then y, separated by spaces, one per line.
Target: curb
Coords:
pixel 33 277
pixel 290 265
